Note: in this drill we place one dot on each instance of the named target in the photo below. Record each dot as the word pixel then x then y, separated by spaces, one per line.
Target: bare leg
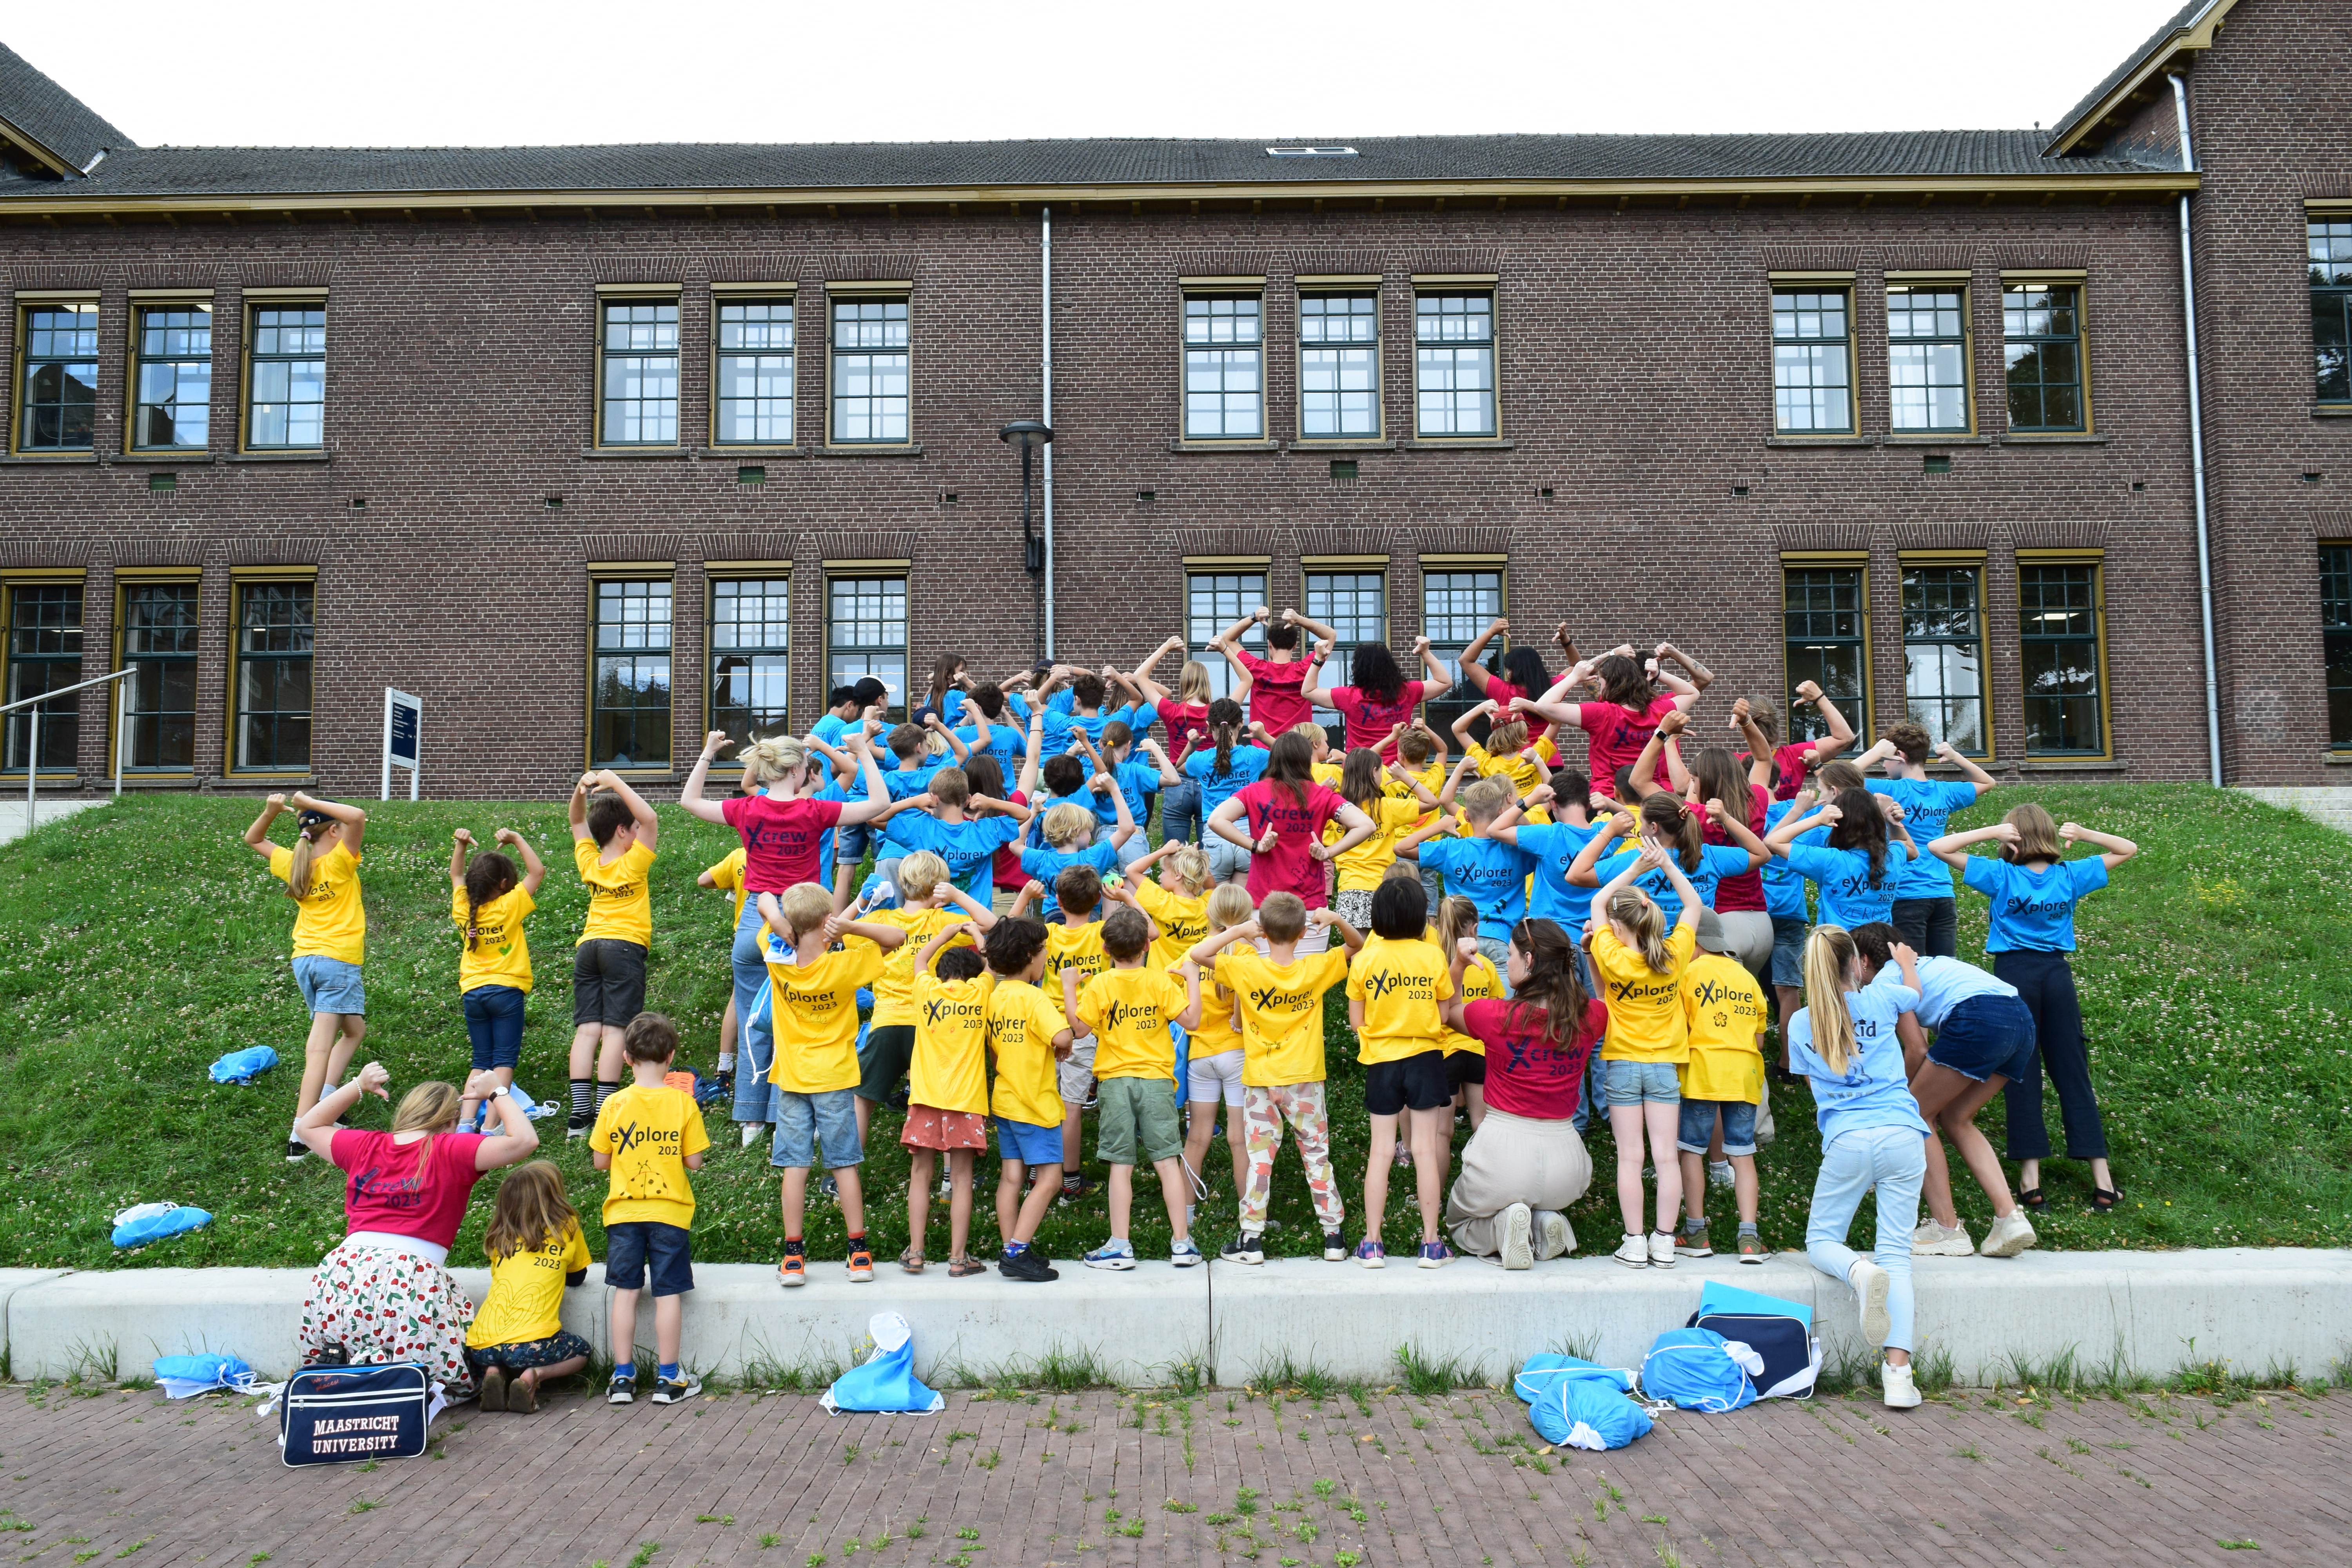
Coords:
pixel 325 1029
pixel 1040 1201
pixel 532 1377
pixel 1693 1185
pixel 1174 1193
pixel 1376 1174
pixel 1072 1129
pixel 1237 1142
pixel 1934 1088
pixel 1201 1121
pixel 1625 1126
pixel 1959 1124
pixel 625 1326
pixel 960 1162
pixel 1476 1095
pixel 1433 1136
pixel 1008 1198
pixel 1744 1186
pixel 583 1049
pixel 853 1198
pixel 608 1053
pixel 1714 1147
pixel 920 1164
pixel 1122 1199
pixel 1663 1122
pixel 669 1320
pixel 794 1199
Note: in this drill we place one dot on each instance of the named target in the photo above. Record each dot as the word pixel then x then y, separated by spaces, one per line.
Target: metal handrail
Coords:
pixel 33 746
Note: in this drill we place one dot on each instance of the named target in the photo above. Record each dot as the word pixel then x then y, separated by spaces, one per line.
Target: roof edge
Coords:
pixel 2194 34
pixel 57 162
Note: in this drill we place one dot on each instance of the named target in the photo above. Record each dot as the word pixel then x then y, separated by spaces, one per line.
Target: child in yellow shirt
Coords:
pixel 1074 955
pixel 727 877
pixel 1723 1010
pixel 322 873
pixel 613 837
pixel 1133 1008
pixel 517 1342
pixel 488 901
pixel 1212 1069
pixel 1394 986
pixel 1641 964
pixel 1465 1055
pixel 928 902
pixel 947 1091
pixel 1027 1035
pixel 649 1136
pixel 1507 754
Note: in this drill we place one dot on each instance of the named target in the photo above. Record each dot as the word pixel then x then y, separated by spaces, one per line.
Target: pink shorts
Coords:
pixel 929 1128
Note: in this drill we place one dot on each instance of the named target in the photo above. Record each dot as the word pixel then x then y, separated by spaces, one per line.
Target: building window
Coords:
pixel 1213 601
pixel 755 373
pixel 159 642
pixel 1338 365
pixel 2042 331
pixel 750 657
pixel 174 378
pixel 44 654
pixel 275 636
pixel 1356 605
pixel 1224 368
pixel 865 635
pixel 1455 606
pixel 869 371
pixel 2058 612
pixel 1453 364
pixel 628 704
pixel 286 377
pixel 1943 654
pixel 1813 364
pixel 2331 309
pixel 1928 359
pixel 639 351
pixel 2335 632
pixel 60 388
pixel 1823 616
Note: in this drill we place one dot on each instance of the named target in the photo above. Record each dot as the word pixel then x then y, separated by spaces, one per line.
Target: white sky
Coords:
pixel 430 72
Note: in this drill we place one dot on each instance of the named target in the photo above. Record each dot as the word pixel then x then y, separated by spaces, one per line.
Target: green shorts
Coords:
pixel 888 1051
pixel 1133 1110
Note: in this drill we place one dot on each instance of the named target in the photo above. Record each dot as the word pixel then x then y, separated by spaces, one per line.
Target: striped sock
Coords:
pixel 604 1091
pixel 580 1087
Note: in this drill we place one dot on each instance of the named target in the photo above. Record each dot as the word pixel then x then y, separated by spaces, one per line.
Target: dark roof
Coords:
pixel 48 114
pixel 166 171
pixel 2115 79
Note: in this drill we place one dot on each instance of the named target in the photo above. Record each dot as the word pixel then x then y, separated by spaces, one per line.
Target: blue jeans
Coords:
pixel 755 1097
pixel 806 1122
pixel 1894 1160
pixel 494 1025
pixel 1180 812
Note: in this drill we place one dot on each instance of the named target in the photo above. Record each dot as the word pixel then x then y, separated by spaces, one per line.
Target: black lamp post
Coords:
pixel 1029 434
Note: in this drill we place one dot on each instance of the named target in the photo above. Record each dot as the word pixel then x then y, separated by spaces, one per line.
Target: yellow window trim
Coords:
pixel 184 574
pixel 1846 277
pixel 1948 277
pixel 855 568
pixel 43 574
pixel 762 568
pixel 1253 281
pixel 2087 554
pixel 2327 206
pixel 317 291
pixel 755 288
pixel 1941 557
pixel 57 295
pixel 1217 562
pixel 148 296
pixel 2045 275
pixel 661 290
pixel 876 286
pixel 1826 557
pixel 1422 279
pixel 1328 279
pixel 1311 561
pixel 270 573
pixel 632 568
pixel 1469 559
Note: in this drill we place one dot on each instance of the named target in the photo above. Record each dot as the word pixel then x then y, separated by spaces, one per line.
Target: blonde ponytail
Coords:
pixel 306 851
pixel 1829 953
pixel 1637 913
pixel 1191 866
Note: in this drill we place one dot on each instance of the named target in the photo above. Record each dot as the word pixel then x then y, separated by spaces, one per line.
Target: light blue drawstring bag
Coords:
pixel 1698 1369
pixel 182 1377
pixel 144 1222
pixel 243 1067
pixel 886 1381
pixel 1576 1403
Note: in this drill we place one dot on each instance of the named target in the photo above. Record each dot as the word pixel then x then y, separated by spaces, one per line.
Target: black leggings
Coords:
pixel 2047 986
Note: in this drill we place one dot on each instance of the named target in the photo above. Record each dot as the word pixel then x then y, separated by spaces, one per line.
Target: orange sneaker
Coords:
pixel 793 1271
pixel 861 1266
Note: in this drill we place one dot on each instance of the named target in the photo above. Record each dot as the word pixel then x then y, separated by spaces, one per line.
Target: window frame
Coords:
pixel 12 584
pixel 1907 283
pixel 2316 217
pixel 1844 285
pixel 647 572
pixel 1464 695
pixel 2338 633
pixel 127 579
pixel 1490 291
pixel 1243 568
pixel 724 295
pixel 1969 561
pixel 1857 563
pixel 135 361
pixel 252 303
pixel 902 293
pixel 1376 346
pixel 715 574
pixel 899 572
pixel 2096 562
pixel 1234 288
pixel 1338 669
pixel 2080 283
pixel 26 302
pixel 657 295
pixel 242 582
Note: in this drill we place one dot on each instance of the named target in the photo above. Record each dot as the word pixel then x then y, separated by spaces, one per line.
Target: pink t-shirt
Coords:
pixel 1789 769
pixel 383 1192
pixel 1275 701
pixel 1287 868
pixel 1743 894
pixel 1616 737
pixel 1527 1076
pixel 780 838
pixel 1185 722
pixel 1369 722
pixel 1006 868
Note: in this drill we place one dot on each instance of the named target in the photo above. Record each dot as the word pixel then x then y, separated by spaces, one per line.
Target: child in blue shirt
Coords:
pixel 961 828
pixel 1491 874
pixel 1555 845
pixel 1925 910
pixel 1675 827
pixel 1139 781
pixel 1857 870
pixel 1224 770
pixel 1070 833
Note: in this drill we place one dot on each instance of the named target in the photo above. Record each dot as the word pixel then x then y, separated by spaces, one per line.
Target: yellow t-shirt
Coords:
pixel 949 1070
pixel 330 922
pixel 1645 1008
pixel 815 1014
pixel 1219 1030
pixel 1182 922
pixel 1077 947
pixel 894 994
pixel 1723 1009
pixel 1432 778
pixel 1281 1009
pixel 727 877
pixel 1129 1010
pixel 1327 775
pixel 501 953
pixel 649 1132
pixel 526 1298
pixel 1479 984
pixel 1362 868
pixel 1400 985
pixel 1525 777
pixel 1021 1024
pixel 620 901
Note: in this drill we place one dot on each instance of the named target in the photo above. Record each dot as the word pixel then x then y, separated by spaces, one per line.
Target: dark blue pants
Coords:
pixel 2047 986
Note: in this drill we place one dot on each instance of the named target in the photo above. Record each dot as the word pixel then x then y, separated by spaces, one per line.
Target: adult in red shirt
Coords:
pixel 1286 810
pixel 1759 726
pixel 1617 727
pixel 385 1294
pixel 1381 701
pixel 1275 681
pixel 1519 672
pixel 1526 1163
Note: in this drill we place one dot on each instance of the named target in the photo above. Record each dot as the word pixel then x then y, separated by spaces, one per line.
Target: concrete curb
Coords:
pixel 2144 1314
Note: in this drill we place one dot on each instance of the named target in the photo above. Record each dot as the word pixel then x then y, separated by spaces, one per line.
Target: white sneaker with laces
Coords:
pixel 2010 1233
pixel 1897 1387
pixel 1519 1237
pixel 1662 1249
pixel 1555 1238
pixel 1932 1241
pixel 1634 1252
pixel 1871 1284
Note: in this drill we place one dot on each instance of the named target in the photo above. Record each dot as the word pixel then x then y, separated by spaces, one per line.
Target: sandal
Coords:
pixel 2103 1199
pixel 2032 1198
pixel 965 1268
pixel 522 1395
pixel 911 1261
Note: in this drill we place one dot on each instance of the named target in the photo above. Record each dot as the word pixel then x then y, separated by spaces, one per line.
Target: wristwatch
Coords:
pixel 503 1091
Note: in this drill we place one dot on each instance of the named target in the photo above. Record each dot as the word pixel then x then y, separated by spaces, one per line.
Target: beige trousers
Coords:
pixel 1514 1160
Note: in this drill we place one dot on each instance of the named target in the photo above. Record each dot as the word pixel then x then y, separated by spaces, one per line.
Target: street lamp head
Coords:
pixel 1026 434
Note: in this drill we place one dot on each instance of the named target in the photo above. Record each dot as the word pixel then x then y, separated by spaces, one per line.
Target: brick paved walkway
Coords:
pixel 1103 1478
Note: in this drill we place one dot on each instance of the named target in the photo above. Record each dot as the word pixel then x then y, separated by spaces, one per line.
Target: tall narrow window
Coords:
pixel 865 635
pixel 159 642
pixel 1943 654
pixel 628 708
pixel 755 373
pixel 2335 632
pixel 750 655
pixel 2042 329
pixel 287 379
pixel 44 654
pixel 639 378
pixel 1338 365
pixel 1224 368
pixel 1823 613
pixel 2331 309
pixel 1356 605
pixel 1455 606
pixel 2059 614
pixel 174 378
pixel 1928 359
pixel 870 396
pixel 1453 365
pixel 1213 601
pixel 1812 362
pixel 275 638
pixel 60 389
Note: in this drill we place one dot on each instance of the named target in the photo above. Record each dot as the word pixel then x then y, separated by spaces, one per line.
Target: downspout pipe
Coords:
pixel 2196 443
pixel 1045 314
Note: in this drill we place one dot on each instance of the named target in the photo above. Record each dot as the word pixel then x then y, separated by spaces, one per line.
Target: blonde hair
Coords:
pixel 920 876
pixel 1229 906
pixel 1189 866
pixel 430 1107
pixel 1457 917
pixel 1192 682
pixel 1638 913
pixel 1064 823
pixel 2037 835
pixel 1506 737
pixel 1486 799
pixel 1283 917
pixel 532 1211
pixel 1828 953
pixel 805 907
pixel 778 757
pixel 306 851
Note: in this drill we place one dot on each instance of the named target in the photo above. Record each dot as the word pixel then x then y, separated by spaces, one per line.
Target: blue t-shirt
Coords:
pixel 1008 742
pixel 1242 770
pixel 1844 878
pixel 968 846
pixel 1716 861
pixel 832 727
pixel 1555 845
pixel 1873 1090
pixel 1044 865
pixel 2033 912
pixel 901 783
pixel 1489 873
pixel 1928 804
pixel 1137 781
pixel 1784 886
pixel 1061 724
pixel 1946 983
pixel 838 791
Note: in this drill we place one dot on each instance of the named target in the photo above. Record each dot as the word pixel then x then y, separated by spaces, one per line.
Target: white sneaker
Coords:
pixel 1662 1249
pixel 1634 1253
pixel 2012 1233
pixel 1871 1284
pixel 1519 1237
pixel 1555 1238
pixel 1897 1387
pixel 1718 1173
pixel 1932 1241
pixel 751 1131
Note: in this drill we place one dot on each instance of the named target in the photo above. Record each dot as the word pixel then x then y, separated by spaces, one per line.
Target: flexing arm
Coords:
pixel 1313 628
pixel 256 838
pixel 1330 921
pixel 1461 725
pixel 1152 690
pixel 2117 850
pixel 1419 791
pixel 649 825
pixel 885 937
pixel 1841 734
pixel 1028 785
pixel 1203 953
pixel 1968 769
pixel 690 797
pixel 1759 750
pixel 1125 829
pixel 942 939
pixel 962 752
pixel 1168 773
pixel 980 918
pixel 1358 829
pixel 1672 867
pixel 1473 671
pixel 1795 825
pixel 1952 848
pixel 1435 683
pixel 1701 678
pixel 1738 833
pixel 354 819
pixel 461 844
pixel 877 793
pixel 1581 872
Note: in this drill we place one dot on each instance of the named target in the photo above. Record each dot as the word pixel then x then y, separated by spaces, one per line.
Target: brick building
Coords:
pixel 594 446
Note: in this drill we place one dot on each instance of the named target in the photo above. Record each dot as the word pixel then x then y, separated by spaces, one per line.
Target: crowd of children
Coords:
pixel 1516 939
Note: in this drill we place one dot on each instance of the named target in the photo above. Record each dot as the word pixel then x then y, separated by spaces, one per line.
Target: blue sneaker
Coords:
pixel 622 1389
pixel 1183 1253
pixel 1370 1254
pixel 1435 1255
pixel 1112 1254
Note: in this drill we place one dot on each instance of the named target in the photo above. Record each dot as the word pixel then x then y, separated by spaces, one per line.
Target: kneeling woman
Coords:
pixel 1526 1163
pixel 384 1295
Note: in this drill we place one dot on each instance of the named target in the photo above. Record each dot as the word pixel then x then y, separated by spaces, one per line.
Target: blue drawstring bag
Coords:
pixel 1576 1403
pixel 1697 1369
pixel 243 1067
pixel 887 1382
pixel 181 1376
pixel 144 1222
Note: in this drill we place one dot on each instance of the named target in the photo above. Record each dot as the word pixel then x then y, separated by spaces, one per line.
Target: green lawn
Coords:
pixel 140 941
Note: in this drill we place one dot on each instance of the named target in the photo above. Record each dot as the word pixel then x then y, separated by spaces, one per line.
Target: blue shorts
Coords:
pixel 1641 1083
pixel 850 842
pixel 1698 1127
pixel 806 1122
pixel 330 986
pixel 670 1247
pixel 494 1023
pixel 1028 1143
pixel 1789 951
pixel 1985 1034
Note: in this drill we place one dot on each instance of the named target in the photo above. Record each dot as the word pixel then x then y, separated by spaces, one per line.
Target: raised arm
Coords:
pixel 1153 692
pixel 877 793
pixel 1313 628
pixel 1329 920
pixel 461 844
pixel 1759 750
pixel 354 819
pixel 942 939
pixel 534 869
pixel 931 721
pixel 1738 831
pixel 1419 790
pixel 1795 825
pixel 690 797
pixel 1952 848
pixel 1968 769
pixel 1168 773
pixel 1461 725
pixel 576 809
pixel 1205 951
pixel 256 838
pixel 649 825
pixel 1701 678
pixel 1672 867
pixel 1581 871
pixel 1435 682
pixel 885 937
pixel 2117 850
pixel 1647 860
pixel 979 916
pixel 1473 671
pixel 1841 734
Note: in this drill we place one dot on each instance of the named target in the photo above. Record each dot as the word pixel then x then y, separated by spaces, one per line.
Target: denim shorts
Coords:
pixel 494 1023
pixel 1226 858
pixel 630 1247
pixel 1641 1083
pixel 850 842
pixel 1986 1035
pixel 1789 951
pixel 1698 1127
pixel 330 986
pixel 1028 1143
pixel 806 1122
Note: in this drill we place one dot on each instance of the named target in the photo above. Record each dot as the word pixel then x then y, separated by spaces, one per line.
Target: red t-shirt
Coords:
pixel 1287 868
pixel 1183 721
pixel 1007 869
pixel 1501 692
pixel 1616 737
pixel 383 1192
pixel 1789 769
pixel 780 839
pixel 1742 894
pixel 1525 1074
pixel 1275 701
pixel 1369 722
